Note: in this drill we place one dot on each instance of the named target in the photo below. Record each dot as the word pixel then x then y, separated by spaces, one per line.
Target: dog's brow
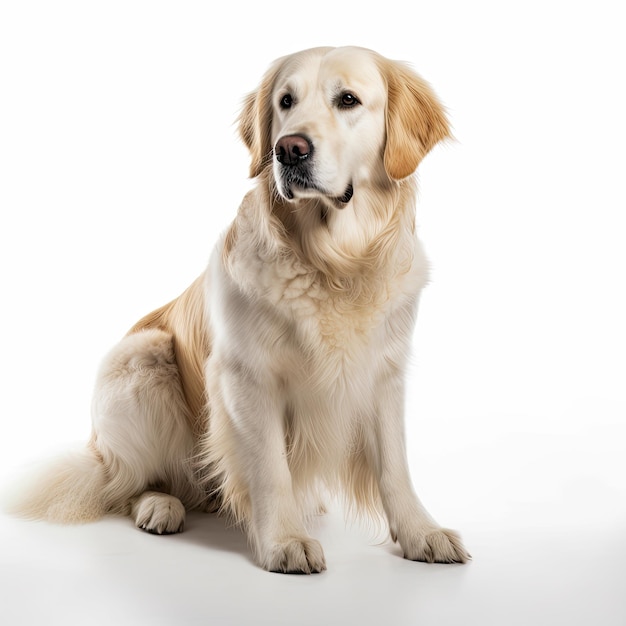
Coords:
pixel 338 86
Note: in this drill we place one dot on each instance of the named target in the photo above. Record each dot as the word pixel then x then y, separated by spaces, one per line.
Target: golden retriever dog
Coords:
pixel 278 376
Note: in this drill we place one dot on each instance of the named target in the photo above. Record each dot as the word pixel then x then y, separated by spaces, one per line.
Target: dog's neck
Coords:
pixel 364 238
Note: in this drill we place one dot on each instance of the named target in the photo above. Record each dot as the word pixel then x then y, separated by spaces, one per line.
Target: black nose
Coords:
pixel 293 149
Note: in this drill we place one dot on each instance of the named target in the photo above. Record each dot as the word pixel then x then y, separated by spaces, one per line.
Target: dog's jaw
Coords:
pixel 306 190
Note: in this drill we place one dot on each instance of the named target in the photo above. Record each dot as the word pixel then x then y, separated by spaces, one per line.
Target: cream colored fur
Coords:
pixel 279 374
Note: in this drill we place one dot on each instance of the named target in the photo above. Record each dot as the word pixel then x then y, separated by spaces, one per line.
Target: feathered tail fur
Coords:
pixel 70 489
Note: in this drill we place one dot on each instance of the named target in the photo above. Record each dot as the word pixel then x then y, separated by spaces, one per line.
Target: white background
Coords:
pixel 119 167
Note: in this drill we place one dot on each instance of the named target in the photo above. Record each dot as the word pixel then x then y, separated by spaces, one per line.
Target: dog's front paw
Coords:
pixel 294 556
pixel 434 545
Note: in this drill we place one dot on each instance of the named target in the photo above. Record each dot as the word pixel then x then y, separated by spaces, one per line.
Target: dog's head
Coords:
pixel 328 120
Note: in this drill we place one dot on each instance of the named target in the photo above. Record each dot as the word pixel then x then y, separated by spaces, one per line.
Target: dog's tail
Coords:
pixel 70 489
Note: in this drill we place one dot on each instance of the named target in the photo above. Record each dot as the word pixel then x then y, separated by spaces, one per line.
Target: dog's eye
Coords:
pixel 348 100
pixel 286 101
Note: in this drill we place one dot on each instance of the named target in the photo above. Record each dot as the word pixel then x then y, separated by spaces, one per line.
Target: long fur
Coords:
pixel 278 375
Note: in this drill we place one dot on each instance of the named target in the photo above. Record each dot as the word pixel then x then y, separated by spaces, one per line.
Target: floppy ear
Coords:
pixel 255 122
pixel 416 120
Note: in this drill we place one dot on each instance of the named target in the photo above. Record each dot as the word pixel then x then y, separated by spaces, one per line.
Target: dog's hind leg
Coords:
pixel 142 433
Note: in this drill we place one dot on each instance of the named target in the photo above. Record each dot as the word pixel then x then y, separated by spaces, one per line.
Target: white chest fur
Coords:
pixel 280 319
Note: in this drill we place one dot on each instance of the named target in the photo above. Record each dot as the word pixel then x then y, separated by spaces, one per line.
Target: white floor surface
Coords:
pixel 111 574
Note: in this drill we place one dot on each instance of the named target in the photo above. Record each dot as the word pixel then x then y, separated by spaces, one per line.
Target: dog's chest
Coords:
pixel 320 337
pixel 332 322
pixel 338 345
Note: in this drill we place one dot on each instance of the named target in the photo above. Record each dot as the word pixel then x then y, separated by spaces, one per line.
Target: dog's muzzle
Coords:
pixel 294 153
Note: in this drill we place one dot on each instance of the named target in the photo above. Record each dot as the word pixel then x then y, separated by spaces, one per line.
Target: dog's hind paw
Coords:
pixel 158 513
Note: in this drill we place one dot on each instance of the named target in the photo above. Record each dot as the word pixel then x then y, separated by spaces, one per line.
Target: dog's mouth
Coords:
pixel 308 190
pixel 347 196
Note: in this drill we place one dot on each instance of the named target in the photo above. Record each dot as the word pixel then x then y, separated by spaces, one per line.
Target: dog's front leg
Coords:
pixel 256 409
pixel 420 537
